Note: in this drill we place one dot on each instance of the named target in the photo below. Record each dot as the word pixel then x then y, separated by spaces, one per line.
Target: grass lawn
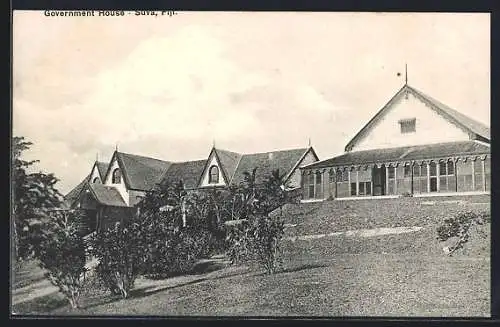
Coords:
pixel 320 278
pixel 391 275
pixel 28 273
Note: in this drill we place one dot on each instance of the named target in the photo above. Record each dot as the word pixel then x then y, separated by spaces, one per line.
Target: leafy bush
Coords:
pixel 258 236
pixel 62 254
pixel 178 229
pixel 34 196
pixel 459 227
pixel 176 252
pixel 121 256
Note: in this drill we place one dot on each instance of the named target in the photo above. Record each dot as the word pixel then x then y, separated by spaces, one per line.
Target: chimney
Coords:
pixel 270 155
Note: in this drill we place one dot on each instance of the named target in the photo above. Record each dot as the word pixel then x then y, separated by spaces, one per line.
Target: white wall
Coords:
pixel 94 174
pixel 212 161
pixel 121 187
pixel 430 127
pixel 294 180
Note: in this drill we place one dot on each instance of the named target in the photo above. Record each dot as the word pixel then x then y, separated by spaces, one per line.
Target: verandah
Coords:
pixel 437 175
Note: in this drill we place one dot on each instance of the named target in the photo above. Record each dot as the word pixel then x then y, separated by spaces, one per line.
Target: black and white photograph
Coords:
pixel 250 164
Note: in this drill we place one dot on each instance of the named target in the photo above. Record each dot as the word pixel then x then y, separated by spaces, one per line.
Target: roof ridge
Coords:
pixel 452 112
pixel 275 151
pixel 144 157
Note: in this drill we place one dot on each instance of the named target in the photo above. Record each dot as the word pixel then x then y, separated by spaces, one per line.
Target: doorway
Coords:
pixel 433 177
pixel 379 180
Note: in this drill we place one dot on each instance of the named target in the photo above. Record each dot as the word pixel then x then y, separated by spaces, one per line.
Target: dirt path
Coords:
pixel 359 233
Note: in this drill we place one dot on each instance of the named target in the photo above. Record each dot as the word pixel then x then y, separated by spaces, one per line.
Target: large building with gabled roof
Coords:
pixel 111 190
pixel 414 145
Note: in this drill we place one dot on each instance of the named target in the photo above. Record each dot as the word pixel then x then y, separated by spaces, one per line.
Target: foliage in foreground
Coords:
pixel 459 227
pixel 120 255
pixel 34 195
pixel 62 254
pixel 257 235
pixel 177 230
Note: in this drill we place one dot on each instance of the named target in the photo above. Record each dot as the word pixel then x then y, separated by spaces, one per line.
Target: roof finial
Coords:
pixel 406 74
pixel 309 142
pixel 213 143
pixel 116 147
pixel 97 156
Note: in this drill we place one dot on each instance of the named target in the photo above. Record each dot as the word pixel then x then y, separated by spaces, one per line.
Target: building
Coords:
pixel 415 145
pixel 111 190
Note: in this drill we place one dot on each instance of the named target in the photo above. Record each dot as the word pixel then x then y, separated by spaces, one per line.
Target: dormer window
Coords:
pixel 117 176
pixel 213 175
pixel 407 125
pixel 96 180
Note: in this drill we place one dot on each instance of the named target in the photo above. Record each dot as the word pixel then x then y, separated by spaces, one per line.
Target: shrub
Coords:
pixel 459 227
pixel 176 252
pixel 257 239
pixel 62 254
pixel 265 234
pixel 121 255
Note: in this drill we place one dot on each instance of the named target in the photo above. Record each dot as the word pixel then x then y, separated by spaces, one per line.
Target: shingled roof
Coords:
pixel 266 163
pixel 72 195
pixel 229 161
pixel 406 153
pixel 142 173
pixel 464 122
pixel 102 167
pixel 107 195
pixel 188 172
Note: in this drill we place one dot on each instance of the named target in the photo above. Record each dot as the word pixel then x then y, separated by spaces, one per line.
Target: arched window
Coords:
pixel 96 180
pixel 117 176
pixel 213 177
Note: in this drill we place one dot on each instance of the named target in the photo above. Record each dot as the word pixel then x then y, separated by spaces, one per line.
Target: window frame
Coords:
pixel 407 171
pixel 345 175
pixel 318 174
pixel 408 125
pixel 211 175
pixel 116 177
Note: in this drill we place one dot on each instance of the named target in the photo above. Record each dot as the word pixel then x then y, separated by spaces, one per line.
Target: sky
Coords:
pixel 171 87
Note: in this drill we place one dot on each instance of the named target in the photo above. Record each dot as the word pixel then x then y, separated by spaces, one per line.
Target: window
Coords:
pixel 318 177
pixel 368 188
pixel 407 125
pixel 353 188
pixel 117 176
pixel 432 169
pixel 451 168
pixel 213 175
pixel 416 170
pixel 442 168
pixel 331 176
pixel 423 171
pixel 339 175
pixel 478 175
pixel 96 180
pixel 361 188
pixel 391 172
pixel 407 171
pixel 311 185
pixel 345 175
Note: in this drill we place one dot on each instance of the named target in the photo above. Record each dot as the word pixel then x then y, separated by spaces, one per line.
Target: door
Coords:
pixel 433 177
pixel 378 177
